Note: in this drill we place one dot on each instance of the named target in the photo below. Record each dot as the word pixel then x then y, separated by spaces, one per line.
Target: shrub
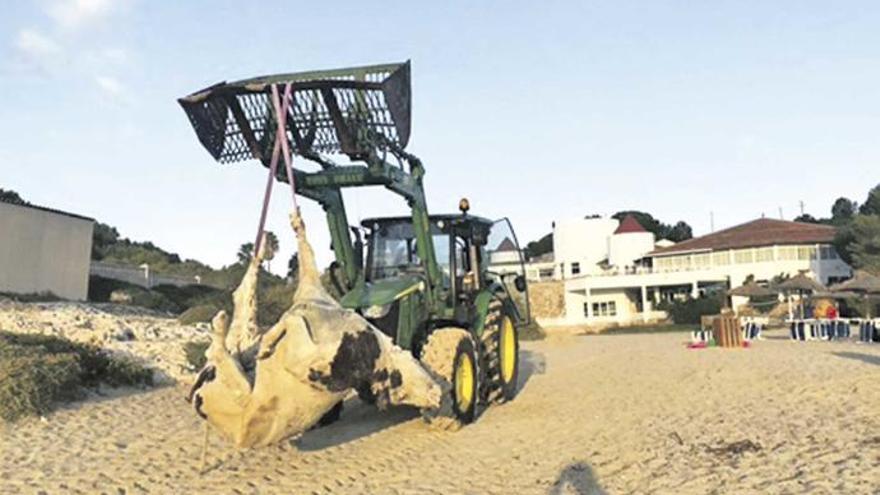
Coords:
pixel 195 354
pixel 188 296
pixel 198 314
pixel 689 311
pixel 46 296
pixel 272 302
pixel 37 371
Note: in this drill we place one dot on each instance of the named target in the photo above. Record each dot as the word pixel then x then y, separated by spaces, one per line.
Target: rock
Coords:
pixel 120 296
pixel 124 334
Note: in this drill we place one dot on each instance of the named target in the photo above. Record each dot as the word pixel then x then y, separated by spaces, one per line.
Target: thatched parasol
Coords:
pixel 802 283
pixel 862 283
pixel 751 289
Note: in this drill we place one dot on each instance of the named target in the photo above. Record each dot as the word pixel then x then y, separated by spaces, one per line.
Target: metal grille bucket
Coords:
pixel 351 111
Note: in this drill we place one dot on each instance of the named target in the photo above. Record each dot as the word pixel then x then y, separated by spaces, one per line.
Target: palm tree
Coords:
pixel 271 248
pixel 245 253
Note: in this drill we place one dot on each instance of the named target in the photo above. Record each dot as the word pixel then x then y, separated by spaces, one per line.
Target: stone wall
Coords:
pixel 546 299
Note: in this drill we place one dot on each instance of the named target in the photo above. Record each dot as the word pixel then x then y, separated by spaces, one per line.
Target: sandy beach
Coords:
pixel 597 414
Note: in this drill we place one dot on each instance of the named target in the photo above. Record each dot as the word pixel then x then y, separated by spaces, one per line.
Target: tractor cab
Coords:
pixel 471 253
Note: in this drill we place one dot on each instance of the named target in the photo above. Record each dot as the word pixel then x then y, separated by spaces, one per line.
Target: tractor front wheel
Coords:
pixel 450 355
pixel 464 382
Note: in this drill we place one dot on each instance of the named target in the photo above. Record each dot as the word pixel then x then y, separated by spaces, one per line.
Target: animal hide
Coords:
pixel 259 388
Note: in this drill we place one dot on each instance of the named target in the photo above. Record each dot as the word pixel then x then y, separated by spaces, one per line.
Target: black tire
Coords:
pixel 508 380
pixel 500 378
pixel 465 410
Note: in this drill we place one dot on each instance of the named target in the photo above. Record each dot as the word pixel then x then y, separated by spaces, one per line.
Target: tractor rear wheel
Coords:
pixel 500 354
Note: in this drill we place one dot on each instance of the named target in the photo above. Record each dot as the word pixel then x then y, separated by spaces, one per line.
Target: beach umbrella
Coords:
pixel 802 284
pixel 751 289
pixel 862 283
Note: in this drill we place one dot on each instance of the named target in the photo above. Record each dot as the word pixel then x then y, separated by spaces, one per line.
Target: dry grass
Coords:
pixel 37 371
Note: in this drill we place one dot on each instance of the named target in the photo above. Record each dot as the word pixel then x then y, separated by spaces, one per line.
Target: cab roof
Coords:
pixel 451 219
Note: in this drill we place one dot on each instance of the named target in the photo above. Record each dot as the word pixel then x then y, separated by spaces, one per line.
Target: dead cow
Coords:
pixel 259 388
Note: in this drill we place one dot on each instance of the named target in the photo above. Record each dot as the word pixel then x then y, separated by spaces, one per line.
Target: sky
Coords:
pixel 536 111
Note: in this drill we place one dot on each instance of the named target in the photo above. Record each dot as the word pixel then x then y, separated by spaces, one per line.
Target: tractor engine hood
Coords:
pixel 382 292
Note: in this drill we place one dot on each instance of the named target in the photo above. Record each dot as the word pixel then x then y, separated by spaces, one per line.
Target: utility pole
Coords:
pixel 801 203
pixel 711 221
pixel 780 214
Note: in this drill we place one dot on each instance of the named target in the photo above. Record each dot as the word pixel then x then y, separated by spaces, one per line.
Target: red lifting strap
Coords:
pixel 281 147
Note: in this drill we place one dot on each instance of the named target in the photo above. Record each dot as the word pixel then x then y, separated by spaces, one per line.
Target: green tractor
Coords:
pixel 414 276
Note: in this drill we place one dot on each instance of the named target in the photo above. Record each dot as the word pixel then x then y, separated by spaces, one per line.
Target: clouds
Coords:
pixel 71 45
pixel 74 14
pixel 36 44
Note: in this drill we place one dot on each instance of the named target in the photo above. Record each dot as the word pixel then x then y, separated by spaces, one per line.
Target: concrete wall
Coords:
pixel 44 251
pixel 624 249
pixel 143 277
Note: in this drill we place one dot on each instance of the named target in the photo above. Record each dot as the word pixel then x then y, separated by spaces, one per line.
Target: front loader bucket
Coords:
pixel 350 111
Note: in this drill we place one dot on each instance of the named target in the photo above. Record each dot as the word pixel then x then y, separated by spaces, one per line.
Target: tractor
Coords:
pixel 410 276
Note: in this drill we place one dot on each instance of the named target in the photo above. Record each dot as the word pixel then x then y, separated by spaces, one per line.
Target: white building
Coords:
pixel 635 279
pixel 593 246
pixel 44 250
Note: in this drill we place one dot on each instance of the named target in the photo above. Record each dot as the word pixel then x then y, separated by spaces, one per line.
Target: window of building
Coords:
pixel 743 256
pixel 764 254
pixel 806 253
pixel 787 253
pixel 575 268
pixel 721 258
pixel 681 262
pixel 608 308
pixel 545 273
pixel 701 260
pixel 827 253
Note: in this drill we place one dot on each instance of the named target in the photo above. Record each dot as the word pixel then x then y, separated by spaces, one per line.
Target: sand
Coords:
pixel 596 414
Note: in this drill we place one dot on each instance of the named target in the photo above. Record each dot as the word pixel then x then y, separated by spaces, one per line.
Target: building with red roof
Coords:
pixel 638 274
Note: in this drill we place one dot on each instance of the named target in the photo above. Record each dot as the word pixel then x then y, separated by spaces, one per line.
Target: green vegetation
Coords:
pixel 689 311
pixel 32 297
pixel 11 197
pixel 195 354
pixel 543 245
pixel 38 371
pixel 198 314
pixel 858 230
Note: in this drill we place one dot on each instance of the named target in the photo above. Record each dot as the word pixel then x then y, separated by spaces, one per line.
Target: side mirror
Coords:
pixel 520 283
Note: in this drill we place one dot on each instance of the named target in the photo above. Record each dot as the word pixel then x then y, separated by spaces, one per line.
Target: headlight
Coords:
pixel 377 311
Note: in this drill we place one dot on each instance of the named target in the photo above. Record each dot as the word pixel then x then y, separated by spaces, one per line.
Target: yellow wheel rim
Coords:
pixel 464 382
pixel 508 349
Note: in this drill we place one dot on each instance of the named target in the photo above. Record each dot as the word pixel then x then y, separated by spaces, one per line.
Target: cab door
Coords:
pixel 506 265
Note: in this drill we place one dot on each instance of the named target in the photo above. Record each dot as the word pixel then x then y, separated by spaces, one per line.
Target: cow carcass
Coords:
pixel 258 388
